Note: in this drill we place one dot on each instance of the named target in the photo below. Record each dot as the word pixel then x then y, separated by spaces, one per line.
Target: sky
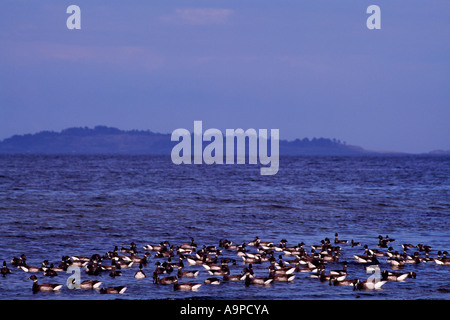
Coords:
pixel 308 68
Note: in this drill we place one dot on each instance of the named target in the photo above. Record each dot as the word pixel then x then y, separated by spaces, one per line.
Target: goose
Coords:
pixel 327 277
pixel 179 264
pixel 93 269
pixel 159 269
pixel 268 246
pixel 284 271
pixel 140 274
pixel 196 261
pixel 111 254
pixel 299 269
pixel 224 243
pixel 340 272
pixel 283 243
pixel 257 242
pixel 369 285
pixel 90 284
pixel 223 270
pixel 137 259
pixel 427 257
pixel 123 264
pixel 45 286
pixel 115 272
pixel 214 281
pixel 206 258
pixel 248 271
pixel 423 247
pixel 50 272
pixel 318 272
pixel 407 246
pixel 377 253
pixel 253 260
pixel 228 261
pixel 329 258
pixel 234 277
pixel 444 260
pixel 396 260
pixel 165 253
pixel 355 244
pixel 80 258
pixel 66 262
pixel 132 249
pixel 314 268
pixel 394 276
pixel 281 277
pixel 254 243
pixel 389 239
pixel 122 258
pixel 212 266
pixel 389 253
pixel 231 246
pixel 187 286
pixel 79 263
pixel 189 273
pixel 366 259
pixel 346 282
pixel 257 281
pixel 209 250
pixel 4 270
pixel 383 243
pixel 164 280
pixel 113 290
pixel 219 272
pixel 415 258
pixel 17 262
pixel 241 250
pixel 293 252
pixel 313 258
pixel 192 246
pixel 336 240
pixel 157 247
pixel 167 266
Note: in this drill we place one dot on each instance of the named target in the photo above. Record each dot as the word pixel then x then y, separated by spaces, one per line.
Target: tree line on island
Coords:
pixel 109 140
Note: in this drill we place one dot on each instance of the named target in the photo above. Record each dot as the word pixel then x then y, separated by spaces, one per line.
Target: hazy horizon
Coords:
pixel 309 69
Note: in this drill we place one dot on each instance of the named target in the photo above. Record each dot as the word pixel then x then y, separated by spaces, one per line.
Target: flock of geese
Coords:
pixel 175 264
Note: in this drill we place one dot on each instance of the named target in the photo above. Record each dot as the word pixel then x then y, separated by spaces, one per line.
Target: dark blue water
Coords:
pixel 52 206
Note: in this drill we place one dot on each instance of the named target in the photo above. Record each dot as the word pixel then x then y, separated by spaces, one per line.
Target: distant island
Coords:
pixel 108 140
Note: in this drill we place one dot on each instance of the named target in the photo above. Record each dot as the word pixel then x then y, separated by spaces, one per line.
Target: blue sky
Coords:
pixel 308 68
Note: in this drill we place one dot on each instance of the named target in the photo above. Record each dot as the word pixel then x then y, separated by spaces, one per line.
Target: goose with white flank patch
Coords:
pixel 396 276
pixel 368 285
pixel 187 286
pixel 47 287
pixel 113 290
pixel 188 273
pixel 164 280
pixel 90 284
pixel 444 260
pixel 215 281
pixel 257 281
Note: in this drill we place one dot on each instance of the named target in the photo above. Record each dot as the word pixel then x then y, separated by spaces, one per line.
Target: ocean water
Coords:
pixel 51 206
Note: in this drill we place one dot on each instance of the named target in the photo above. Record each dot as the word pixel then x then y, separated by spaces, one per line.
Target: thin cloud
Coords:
pixel 199 16
pixel 120 56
